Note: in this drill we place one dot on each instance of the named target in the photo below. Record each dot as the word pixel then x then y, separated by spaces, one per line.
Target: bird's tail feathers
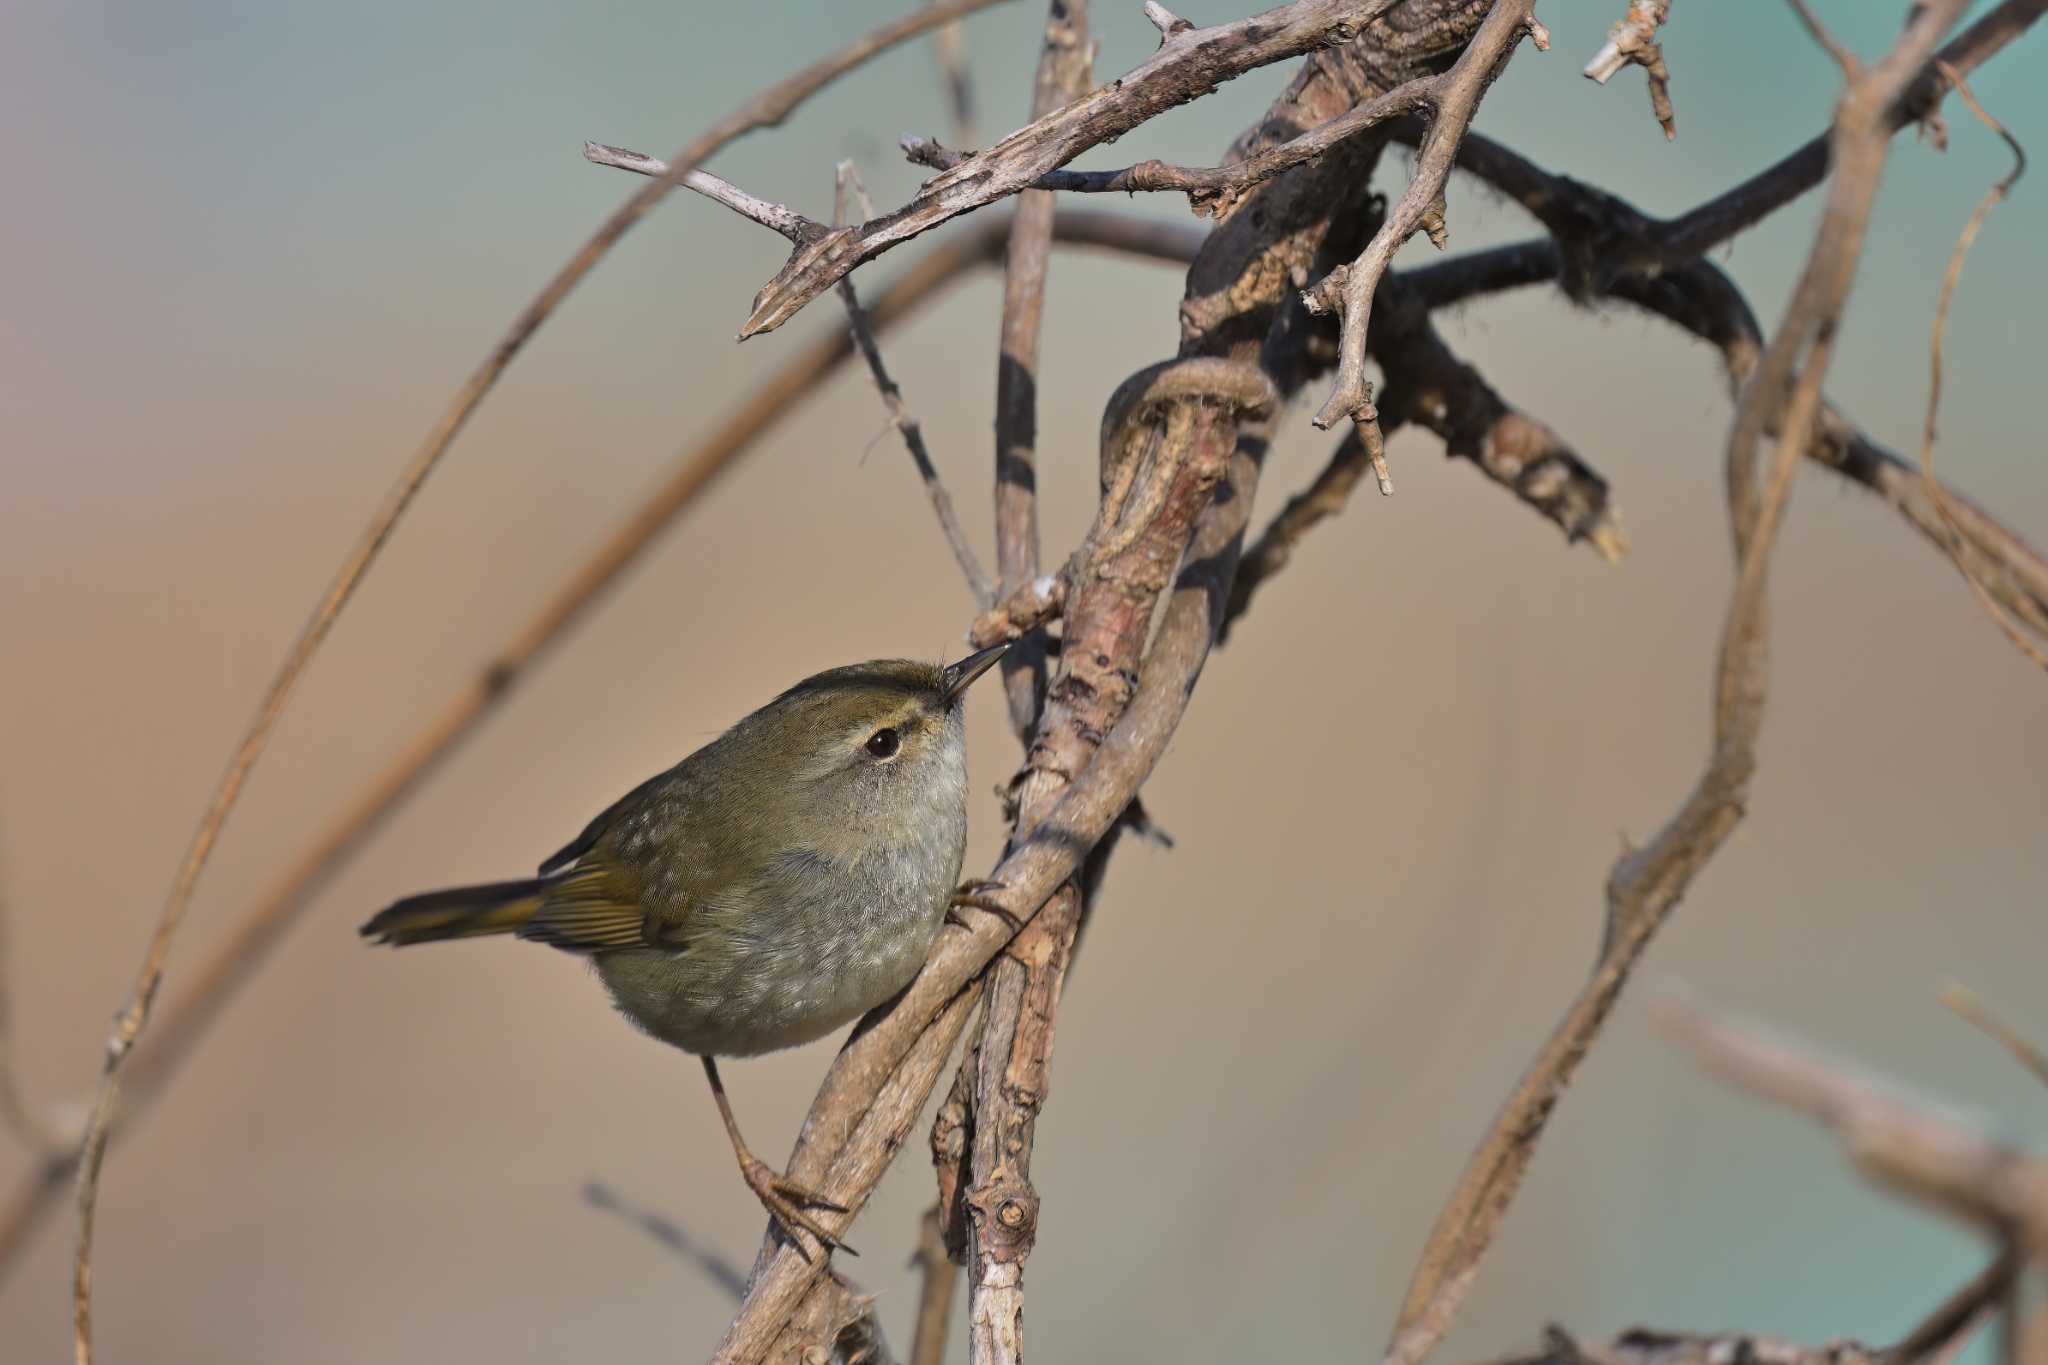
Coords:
pixel 459 912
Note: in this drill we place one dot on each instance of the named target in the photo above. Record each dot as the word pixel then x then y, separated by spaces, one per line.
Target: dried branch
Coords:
pixel 245 947
pixel 851 192
pixel 1013 1043
pixel 935 1291
pixel 1634 40
pixel 2028 1053
pixel 1454 99
pixel 1212 191
pixel 1066 67
pixel 2000 1189
pixel 40 1137
pixel 763 110
pixel 1646 884
pixel 1997 192
pixel 1187 66
pixel 778 218
pixel 1023 611
pixel 1429 385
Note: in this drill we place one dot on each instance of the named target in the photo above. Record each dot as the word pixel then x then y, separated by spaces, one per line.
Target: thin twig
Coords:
pixel 716 1268
pixel 2028 1053
pixel 1322 499
pixel 939 1279
pixel 1454 98
pixel 1647 883
pixel 1066 68
pixel 777 218
pixel 1186 67
pixel 40 1137
pixel 1948 289
pixel 852 193
pixel 1634 40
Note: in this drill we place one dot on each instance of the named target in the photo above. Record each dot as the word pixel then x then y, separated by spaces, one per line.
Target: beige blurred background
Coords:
pixel 250 251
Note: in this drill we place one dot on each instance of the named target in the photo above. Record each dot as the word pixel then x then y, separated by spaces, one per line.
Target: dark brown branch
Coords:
pixel 246 946
pixel 1187 66
pixel 1428 385
pixel 670 1235
pixel 1646 883
pixel 1634 41
pixel 1454 99
pixel 1324 498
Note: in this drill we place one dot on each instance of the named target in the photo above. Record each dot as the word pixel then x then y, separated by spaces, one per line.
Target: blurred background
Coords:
pixel 251 249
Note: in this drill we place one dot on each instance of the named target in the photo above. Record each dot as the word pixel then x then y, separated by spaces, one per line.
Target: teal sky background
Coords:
pixel 250 250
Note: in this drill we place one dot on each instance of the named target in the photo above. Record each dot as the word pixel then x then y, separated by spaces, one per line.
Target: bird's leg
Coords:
pixel 979 895
pixel 784 1199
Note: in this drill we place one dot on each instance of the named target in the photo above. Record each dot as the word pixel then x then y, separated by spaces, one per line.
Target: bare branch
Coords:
pixel 2028 1053
pixel 775 217
pixel 1647 883
pixel 1169 24
pixel 1455 98
pixel 30 1129
pixel 1954 272
pixel 935 1292
pixel 1324 498
pixel 1041 600
pixel 1634 40
pixel 1186 67
pixel 851 191
pixel 1933 1160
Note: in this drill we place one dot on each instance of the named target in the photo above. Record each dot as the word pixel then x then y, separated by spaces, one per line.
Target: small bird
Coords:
pixel 784 879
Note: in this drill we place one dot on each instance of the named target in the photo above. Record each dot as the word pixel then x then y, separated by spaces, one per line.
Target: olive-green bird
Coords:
pixel 784 879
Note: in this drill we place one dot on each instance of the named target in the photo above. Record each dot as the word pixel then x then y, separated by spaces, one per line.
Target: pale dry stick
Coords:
pixel 2028 1053
pixel 246 947
pixel 1453 100
pixel 1634 40
pixel 778 218
pixel 1948 289
pixel 1998 1189
pixel 994 1242
pixel 1066 68
pixel 764 110
pixel 1646 884
pixel 1186 67
pixel 1212 191
pixel 852 194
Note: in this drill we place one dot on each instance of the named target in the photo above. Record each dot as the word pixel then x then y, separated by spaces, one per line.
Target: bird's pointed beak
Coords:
pixel 954 678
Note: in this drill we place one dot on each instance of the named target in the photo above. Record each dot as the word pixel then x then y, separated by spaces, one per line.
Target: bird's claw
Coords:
pixel 978 895
pixel 786 1200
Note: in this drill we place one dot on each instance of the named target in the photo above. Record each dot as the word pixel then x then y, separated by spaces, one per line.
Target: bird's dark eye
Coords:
pixel 884 743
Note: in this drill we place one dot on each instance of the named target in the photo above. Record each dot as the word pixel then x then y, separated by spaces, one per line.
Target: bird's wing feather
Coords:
pixel 594 907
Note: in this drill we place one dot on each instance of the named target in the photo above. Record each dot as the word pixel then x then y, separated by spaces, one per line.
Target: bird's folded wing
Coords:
pixel 592 908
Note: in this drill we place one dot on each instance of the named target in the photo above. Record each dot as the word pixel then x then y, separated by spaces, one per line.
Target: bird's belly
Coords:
pixel 736 995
